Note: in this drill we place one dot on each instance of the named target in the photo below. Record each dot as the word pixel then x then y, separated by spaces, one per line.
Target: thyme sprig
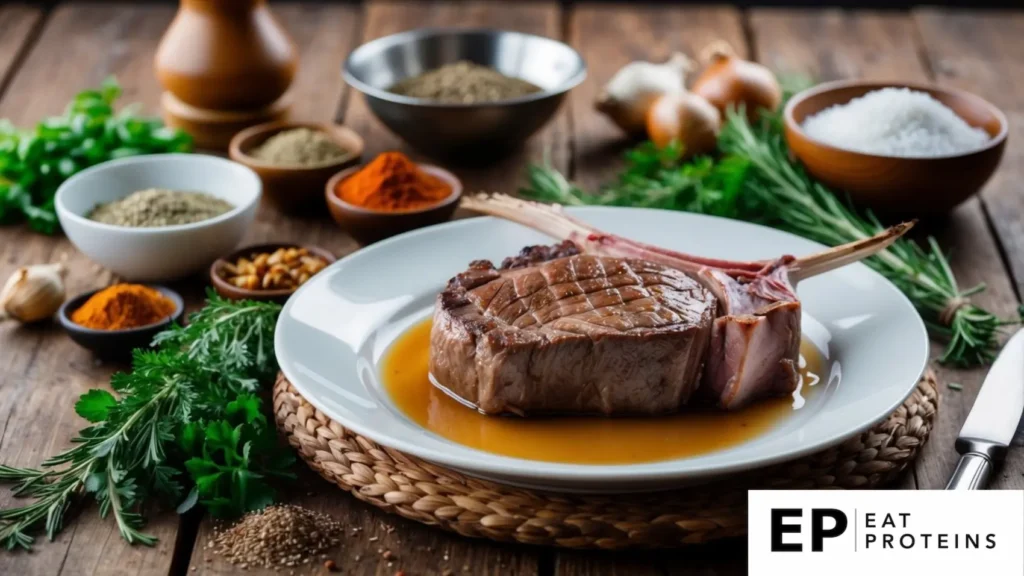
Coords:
pixel 185 428
pixel 756 180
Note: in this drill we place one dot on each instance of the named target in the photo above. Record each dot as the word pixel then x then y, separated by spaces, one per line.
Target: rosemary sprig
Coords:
pixel 782 193
pixel 756 181
pixel 185 420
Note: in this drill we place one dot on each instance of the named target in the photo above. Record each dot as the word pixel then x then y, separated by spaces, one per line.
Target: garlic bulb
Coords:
pixel 632 90
pixel 33 293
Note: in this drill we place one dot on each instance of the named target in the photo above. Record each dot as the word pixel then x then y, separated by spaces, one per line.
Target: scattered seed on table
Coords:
pixel 281 535
pixel 954 386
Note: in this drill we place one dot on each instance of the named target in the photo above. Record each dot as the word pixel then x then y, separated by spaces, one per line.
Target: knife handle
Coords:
pixel 971 473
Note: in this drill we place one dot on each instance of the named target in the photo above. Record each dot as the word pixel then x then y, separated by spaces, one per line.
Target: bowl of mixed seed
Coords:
pixel 158 217
pixel 464 92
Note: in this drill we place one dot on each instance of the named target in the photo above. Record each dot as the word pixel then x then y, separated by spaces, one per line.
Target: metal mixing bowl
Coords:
pixel 471 130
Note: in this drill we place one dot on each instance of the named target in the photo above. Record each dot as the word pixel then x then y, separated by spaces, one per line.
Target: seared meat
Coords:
pixel 536 254
pixel 580 334
pixel 755 341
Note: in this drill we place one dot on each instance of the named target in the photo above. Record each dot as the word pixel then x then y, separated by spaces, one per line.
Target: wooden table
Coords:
pixel 46 55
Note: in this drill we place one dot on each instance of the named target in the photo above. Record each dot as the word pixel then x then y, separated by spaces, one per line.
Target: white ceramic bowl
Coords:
pixel 166 252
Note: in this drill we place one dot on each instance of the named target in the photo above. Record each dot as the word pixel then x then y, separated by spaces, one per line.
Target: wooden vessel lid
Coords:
pixel 213 129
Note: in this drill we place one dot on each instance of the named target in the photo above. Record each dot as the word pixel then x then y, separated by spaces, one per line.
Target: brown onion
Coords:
pixel 728 80
pixel 686 118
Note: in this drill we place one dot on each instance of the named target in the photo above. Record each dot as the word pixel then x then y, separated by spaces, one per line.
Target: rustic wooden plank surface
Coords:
pixel 324 34
pixel 414 548
pixel 77 48
pixel 983 53
pixel 120 39
pixel 41 372
pixel 723 558
pixel 834 44
pixel 18 23
pixel 650 33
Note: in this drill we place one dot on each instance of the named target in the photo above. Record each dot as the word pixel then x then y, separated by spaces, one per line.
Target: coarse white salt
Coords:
pixel 895 122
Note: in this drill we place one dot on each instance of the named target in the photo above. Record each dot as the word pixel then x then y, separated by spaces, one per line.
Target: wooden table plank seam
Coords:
pixel 934 73
pixel 28 26
pixel 40 370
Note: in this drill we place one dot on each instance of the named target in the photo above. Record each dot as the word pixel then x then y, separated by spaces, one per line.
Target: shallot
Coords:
pixel 729 80
pixel 685 118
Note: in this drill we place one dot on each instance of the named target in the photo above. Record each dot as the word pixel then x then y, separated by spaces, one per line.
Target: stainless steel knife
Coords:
pixel 993 420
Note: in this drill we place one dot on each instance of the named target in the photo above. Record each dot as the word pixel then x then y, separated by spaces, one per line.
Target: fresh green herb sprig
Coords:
pixel 755 180
pixel 34 163
pixel 778 192
pixel 185 429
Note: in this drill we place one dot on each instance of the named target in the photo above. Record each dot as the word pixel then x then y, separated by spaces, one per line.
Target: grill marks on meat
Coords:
pixel 583 334
pixel 755 342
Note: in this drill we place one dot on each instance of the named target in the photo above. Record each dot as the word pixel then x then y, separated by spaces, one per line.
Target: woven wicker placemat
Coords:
pixel 434 495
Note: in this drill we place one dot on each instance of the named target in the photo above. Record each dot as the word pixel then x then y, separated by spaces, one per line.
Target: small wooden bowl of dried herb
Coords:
pixel 295 159
pixel 267 272
pixel 114 321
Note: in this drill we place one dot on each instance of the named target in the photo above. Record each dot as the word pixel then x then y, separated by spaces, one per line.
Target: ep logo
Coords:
pixel 824 523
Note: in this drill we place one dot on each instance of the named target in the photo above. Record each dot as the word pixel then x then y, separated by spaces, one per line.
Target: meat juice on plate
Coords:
pixel 578 439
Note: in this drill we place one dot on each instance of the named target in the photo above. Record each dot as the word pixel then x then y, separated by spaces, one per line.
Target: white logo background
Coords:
pixel 954 514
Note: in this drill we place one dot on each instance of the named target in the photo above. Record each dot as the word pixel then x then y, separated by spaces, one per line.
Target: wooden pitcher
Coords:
pixel 226 64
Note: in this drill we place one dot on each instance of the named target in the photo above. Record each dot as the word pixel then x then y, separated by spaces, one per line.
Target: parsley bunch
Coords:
pixel 34 163
pixel 186 428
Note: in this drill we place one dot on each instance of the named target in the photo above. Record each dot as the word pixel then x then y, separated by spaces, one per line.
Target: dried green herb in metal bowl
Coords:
pixel 464 83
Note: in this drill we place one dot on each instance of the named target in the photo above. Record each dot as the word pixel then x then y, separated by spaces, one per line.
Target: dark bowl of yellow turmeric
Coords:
pixel 391 195
pixel 113 321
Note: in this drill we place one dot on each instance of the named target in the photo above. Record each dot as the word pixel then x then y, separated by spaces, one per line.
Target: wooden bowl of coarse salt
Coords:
pixel 896 148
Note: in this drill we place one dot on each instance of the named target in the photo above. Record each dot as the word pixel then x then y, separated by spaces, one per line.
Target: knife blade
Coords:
pixel 993 420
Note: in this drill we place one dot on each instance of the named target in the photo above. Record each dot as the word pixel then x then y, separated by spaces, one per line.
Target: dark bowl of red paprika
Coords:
pixel 368 226
pixel 117 344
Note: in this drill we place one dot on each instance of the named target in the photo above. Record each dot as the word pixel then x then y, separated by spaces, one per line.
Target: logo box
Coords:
pixel 797 532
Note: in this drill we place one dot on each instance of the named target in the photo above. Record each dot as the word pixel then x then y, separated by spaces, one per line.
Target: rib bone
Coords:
pixel 553 221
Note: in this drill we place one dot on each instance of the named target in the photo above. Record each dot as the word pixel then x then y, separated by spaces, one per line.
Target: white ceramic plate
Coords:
pixel 335 330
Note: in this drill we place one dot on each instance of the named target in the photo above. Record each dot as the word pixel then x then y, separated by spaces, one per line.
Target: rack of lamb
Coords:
pixel 603 324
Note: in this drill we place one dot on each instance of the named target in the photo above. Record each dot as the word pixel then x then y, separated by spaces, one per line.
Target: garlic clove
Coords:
pixel 33 293
pixel 630 93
